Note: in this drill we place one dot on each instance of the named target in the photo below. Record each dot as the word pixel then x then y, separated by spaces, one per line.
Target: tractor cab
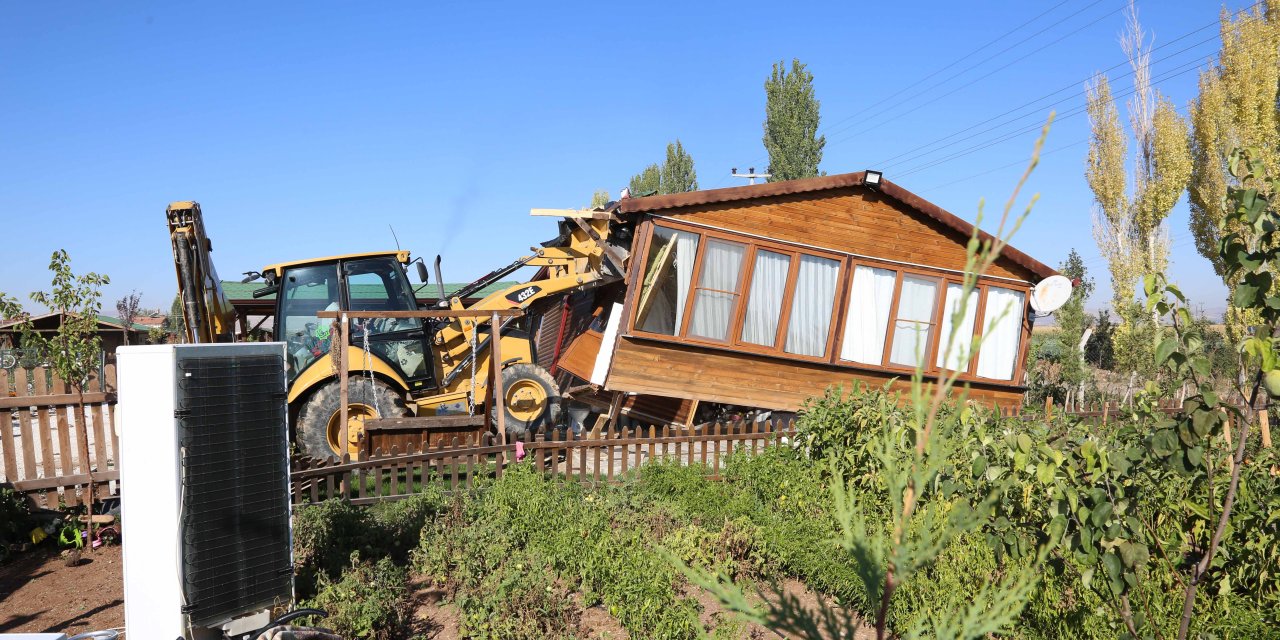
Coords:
pixel 357 282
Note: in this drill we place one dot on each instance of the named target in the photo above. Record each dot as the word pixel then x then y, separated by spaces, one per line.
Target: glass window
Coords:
pixel 867 321
pixel 957 359
pixel 306 291
pixel 668 276
pixel 914 323
pixel 379 284
pixel 717 290
pixel 1002 333
pixel 815 296
pixel 764 298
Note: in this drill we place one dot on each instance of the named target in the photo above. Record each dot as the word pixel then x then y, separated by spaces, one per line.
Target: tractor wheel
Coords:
pixel 319 431
pixel 531 398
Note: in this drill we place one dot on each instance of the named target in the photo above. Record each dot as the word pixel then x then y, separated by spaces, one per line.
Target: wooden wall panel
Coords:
pixel 851 220
pixel 681 371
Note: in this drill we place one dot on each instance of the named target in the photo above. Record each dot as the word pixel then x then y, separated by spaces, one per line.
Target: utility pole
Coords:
pixel 750 175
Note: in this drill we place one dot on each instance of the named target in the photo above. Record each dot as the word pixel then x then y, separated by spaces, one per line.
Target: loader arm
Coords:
pixel 580 258
pixel 207 315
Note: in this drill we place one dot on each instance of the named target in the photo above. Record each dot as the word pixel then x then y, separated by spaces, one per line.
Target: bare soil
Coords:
pixel 40 593
pixel 714 615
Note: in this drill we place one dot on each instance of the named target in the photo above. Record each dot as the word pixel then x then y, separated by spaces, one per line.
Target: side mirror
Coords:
pixel 422 272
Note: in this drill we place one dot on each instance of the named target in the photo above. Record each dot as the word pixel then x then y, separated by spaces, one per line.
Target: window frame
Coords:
pixel 733 339
pixel 844 283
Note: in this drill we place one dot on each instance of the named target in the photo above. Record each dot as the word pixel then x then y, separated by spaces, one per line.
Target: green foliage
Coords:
pixel 647 182
pixel 15 513
pixel 678 174
pixel 9 307
pixel 173 322
pixel 791 123
pixel 675 175
pixel 73 351
pixel 324 535
pixel 1099 351
pixel 1072 322
pixel 589 539
pixel 368 601
pixel 600 198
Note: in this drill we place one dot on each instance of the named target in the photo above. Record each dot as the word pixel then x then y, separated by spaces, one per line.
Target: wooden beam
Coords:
pixel 461 313
pixel 498 394
pixel 423 422
pixel 61 400
pixel 572 213
pixel 340 329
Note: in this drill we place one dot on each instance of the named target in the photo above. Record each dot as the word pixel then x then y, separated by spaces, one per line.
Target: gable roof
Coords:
pixel 108 322
pixel 827 183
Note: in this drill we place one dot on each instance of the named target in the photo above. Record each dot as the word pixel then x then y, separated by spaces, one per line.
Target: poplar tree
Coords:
pixel 1129 221
pixel 1236 107
pixel 676 174
pixel 646 182
pixel 791 123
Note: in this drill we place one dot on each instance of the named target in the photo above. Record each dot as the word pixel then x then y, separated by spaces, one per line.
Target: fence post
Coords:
pixel 343 454
pixel 1265 422
pixel 495 339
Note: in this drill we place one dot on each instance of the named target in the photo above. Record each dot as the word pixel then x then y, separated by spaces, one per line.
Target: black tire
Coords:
pixel 529 374
pixel 311 429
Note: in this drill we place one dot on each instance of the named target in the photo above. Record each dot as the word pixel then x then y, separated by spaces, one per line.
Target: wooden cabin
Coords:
pixel 763 296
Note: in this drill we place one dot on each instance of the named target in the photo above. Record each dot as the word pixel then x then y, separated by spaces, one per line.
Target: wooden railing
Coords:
pixel 43 427
pixel 593 458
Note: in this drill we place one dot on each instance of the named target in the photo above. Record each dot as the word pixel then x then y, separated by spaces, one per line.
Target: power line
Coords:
pixel 900 114
pixel 1073 86
pixel 957 61
pixel 1164 77
pixel 1003 166
pixel 1189 67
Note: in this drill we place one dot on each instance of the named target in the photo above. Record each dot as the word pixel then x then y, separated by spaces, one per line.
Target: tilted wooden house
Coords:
pixel 765 295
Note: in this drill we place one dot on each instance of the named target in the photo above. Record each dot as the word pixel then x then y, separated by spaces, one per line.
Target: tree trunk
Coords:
pixel 85 463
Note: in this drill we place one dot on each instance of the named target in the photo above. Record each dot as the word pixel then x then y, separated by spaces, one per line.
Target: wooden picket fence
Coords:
pixel 41 435
pixel 593 458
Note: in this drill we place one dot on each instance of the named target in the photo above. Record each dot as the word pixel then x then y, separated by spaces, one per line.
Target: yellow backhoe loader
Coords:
pixel 399 367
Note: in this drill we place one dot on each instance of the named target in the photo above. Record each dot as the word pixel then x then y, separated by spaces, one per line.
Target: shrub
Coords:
pixel 15 516
pixel 368 601
pixel 325 535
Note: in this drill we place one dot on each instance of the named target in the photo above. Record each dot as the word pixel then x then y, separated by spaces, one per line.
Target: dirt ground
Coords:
pixel 437 620
pixel 38 592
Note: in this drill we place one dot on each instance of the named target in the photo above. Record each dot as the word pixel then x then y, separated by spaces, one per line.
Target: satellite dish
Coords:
pixel 1050 294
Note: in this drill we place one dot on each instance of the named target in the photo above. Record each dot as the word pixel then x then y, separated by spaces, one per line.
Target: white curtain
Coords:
pixel 956 358
pixel 717 289
pixel 1002 333
pixel 867 320
pixel 665 303
pixel 911 330
pixel 764 298
pixel 686 251
pixel 810 321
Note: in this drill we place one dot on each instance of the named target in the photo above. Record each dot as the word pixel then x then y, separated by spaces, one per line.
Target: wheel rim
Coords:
pixel 356 415
pixel 526 400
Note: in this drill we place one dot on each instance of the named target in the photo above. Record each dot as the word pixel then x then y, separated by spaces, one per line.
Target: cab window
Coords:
pixel 307 291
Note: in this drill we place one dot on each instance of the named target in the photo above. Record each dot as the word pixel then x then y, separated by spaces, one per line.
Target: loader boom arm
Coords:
pixel 207 315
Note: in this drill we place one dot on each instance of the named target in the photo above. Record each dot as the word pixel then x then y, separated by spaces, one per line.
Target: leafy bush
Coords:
pixel 495 544
pixel 15 517
pixel 325 535
pixel 368 601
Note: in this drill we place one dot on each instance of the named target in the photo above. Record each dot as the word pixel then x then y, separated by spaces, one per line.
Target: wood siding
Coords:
pixel 711 375
pixel 851 220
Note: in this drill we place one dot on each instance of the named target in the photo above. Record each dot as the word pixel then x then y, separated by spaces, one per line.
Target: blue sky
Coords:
pixel 304 129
